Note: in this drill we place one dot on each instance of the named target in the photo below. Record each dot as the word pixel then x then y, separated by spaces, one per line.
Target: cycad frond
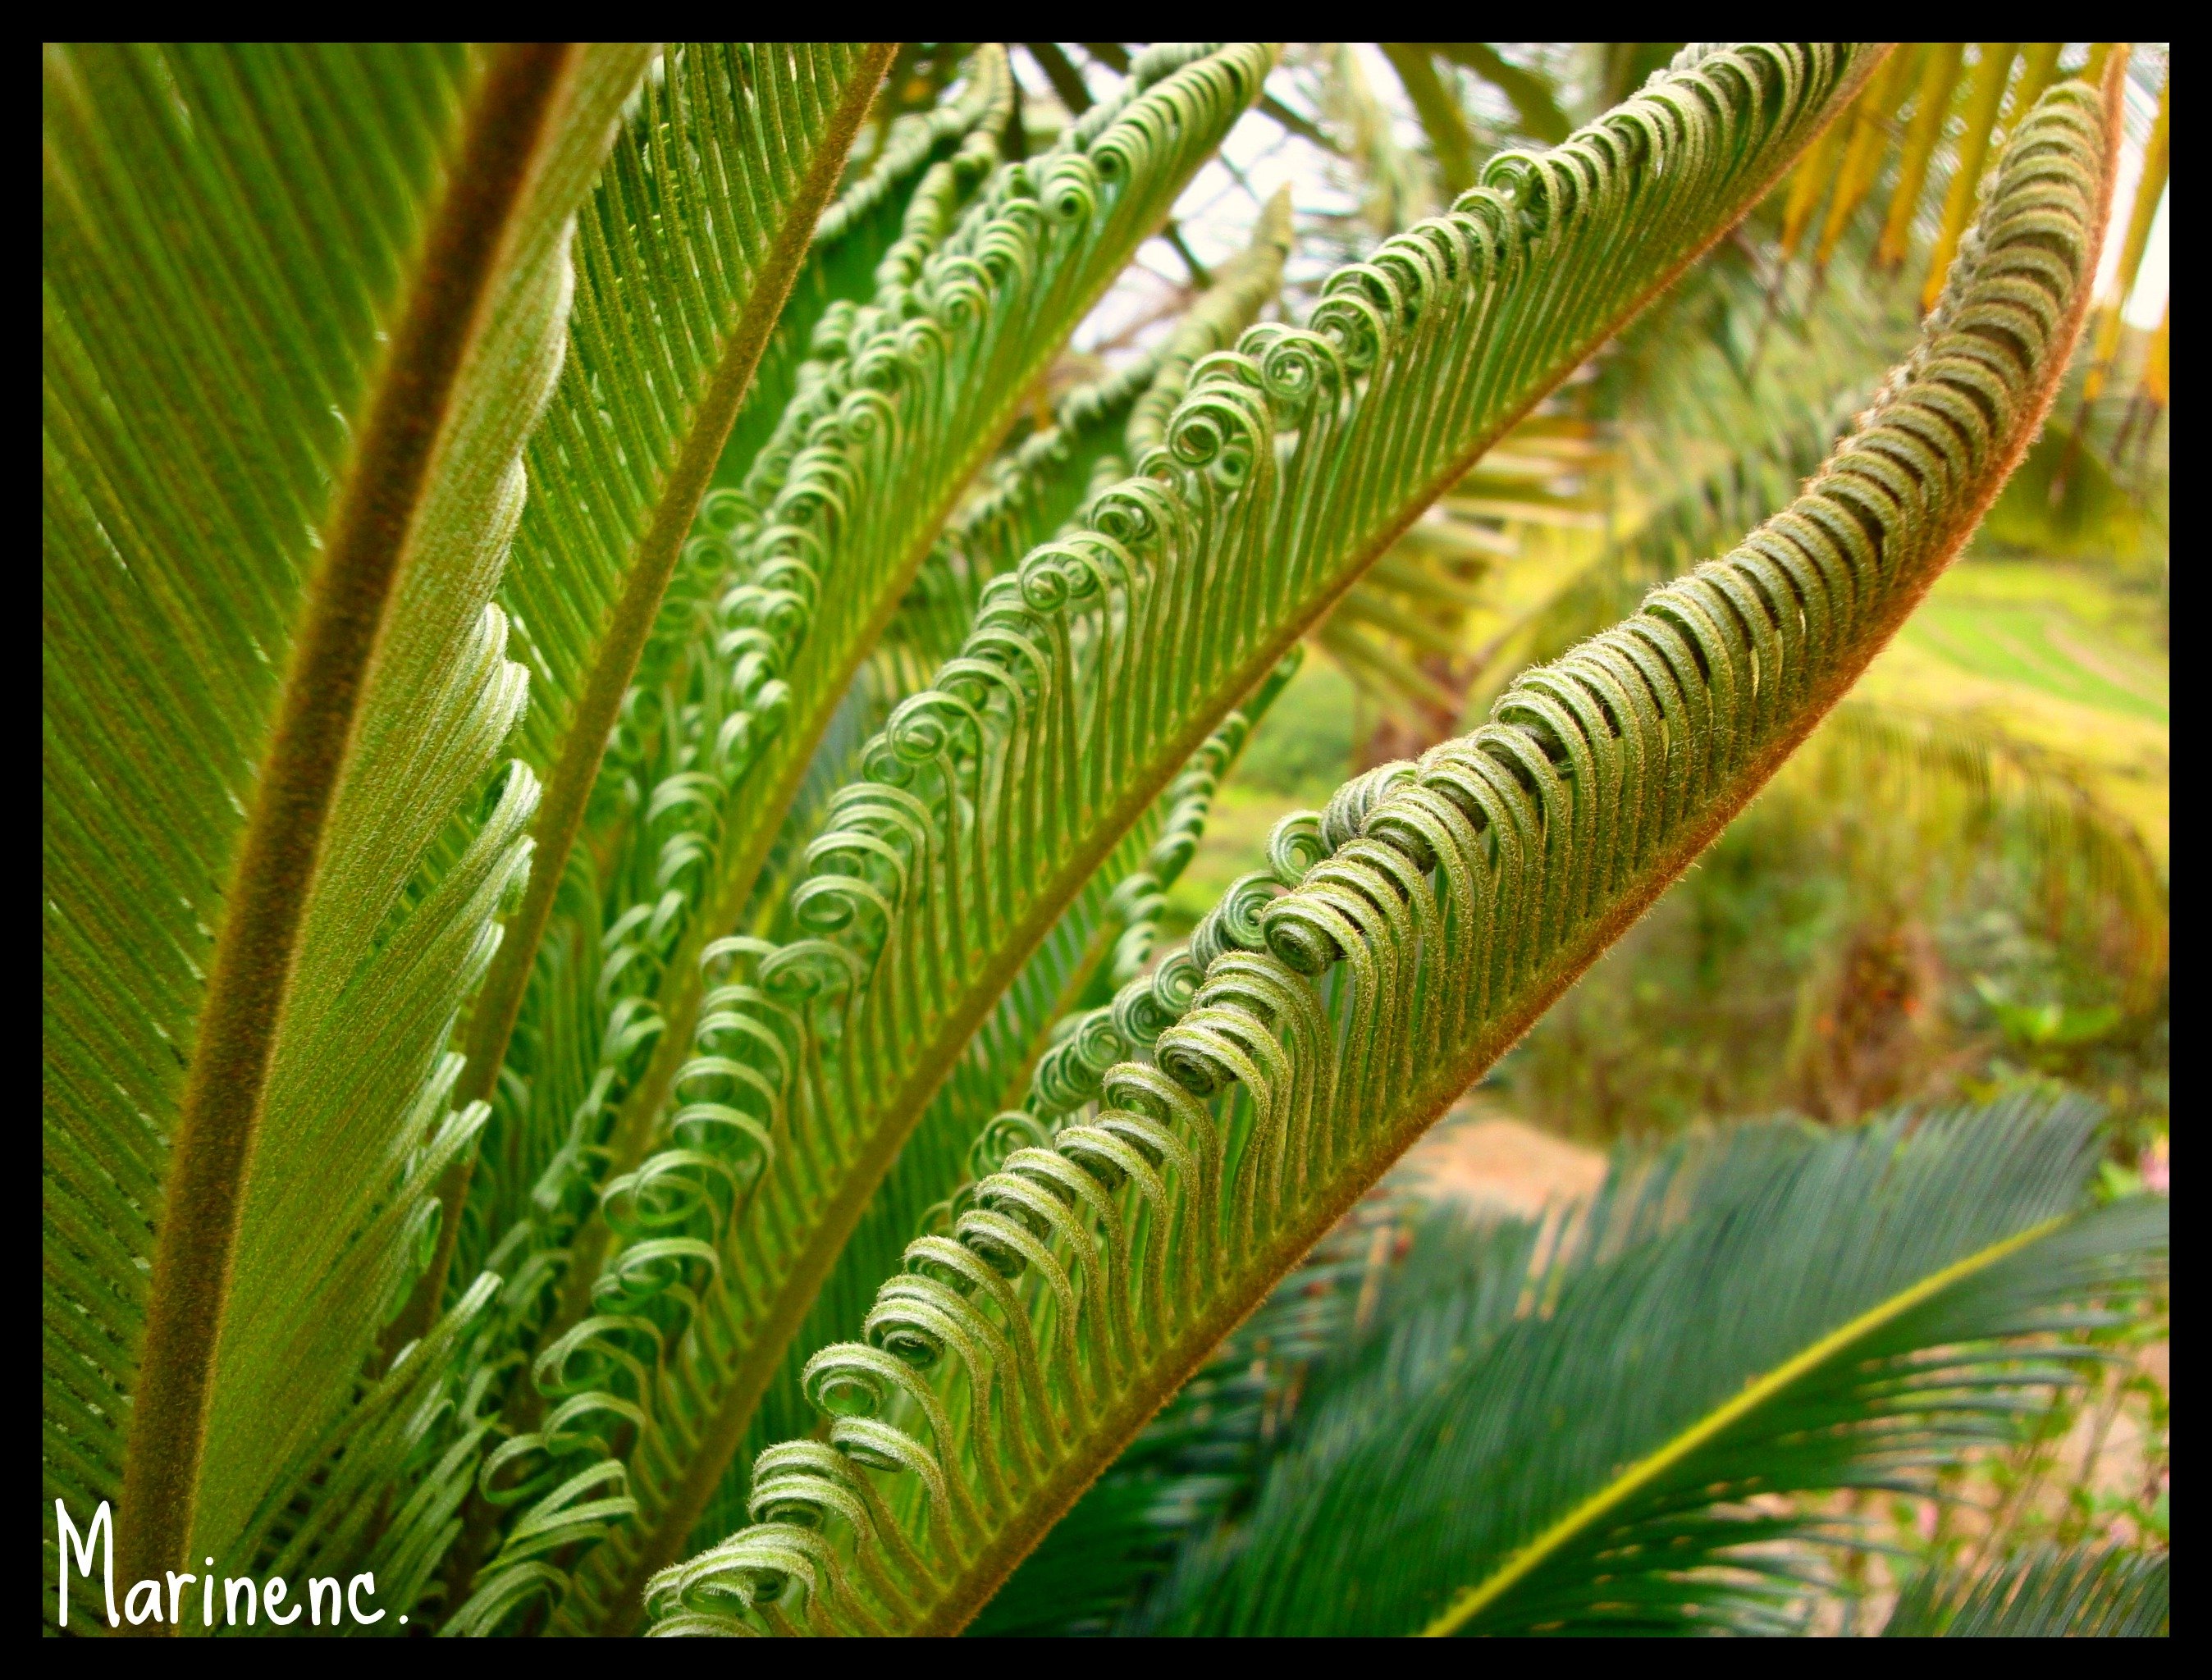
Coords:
pixel 1031 494
pixel 686 250
pixel 1099 428
pixel 293 344
pixel 902 407
pixel 1139 1336
pixel 858 231
pixel 653 382
pixel 901 401
pixel 1039 1055
pixel 1593 1444
pixel 2084 1591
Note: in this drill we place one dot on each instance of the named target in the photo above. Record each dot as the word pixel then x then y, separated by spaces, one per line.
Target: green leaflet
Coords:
pixel 2083 1591
pixel 687 247
pixel 1435 908
pixel 301 308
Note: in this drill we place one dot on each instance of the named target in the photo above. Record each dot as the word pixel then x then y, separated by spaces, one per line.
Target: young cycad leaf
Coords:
pixel 1437 909
pixel 2082 1592
pixel 1109 925
pixel 1030 494
pixel 858 231
pixel 906 398
pixel 686 250
pixel 866 225
pixel 367 1503
pixel 576 1034
pixel 302 308
pixel 1774 1312
pixel 1098 669
pixel 1036 491
pixel 1036 1059
pixel 910 395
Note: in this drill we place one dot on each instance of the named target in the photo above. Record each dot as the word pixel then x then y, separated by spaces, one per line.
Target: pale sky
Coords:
pixel 2148 301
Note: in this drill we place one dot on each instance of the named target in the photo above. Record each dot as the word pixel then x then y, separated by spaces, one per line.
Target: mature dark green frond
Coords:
pixel 1076 690
pixel 302 306
pixel 1776 1313
pixel 2084 1591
